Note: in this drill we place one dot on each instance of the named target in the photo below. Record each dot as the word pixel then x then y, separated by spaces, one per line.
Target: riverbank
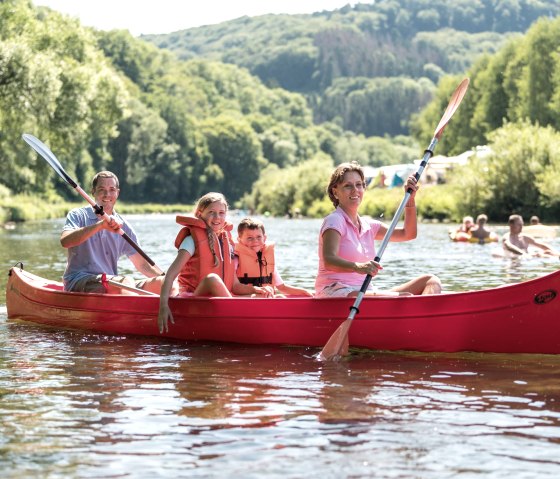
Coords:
pixel 21 208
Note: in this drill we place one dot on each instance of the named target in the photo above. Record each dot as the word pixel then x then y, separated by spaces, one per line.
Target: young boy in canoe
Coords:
pixel 256 260
pixel 204 262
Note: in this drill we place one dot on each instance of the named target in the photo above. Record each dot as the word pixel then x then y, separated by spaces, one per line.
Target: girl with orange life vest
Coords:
pixel 255 259
pixel 204 262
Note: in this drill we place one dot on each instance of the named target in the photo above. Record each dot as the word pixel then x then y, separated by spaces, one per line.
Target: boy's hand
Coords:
pixel 265 291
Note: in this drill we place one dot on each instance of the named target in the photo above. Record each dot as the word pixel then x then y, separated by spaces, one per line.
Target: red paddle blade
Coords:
pixel 454 103
pixel 337 345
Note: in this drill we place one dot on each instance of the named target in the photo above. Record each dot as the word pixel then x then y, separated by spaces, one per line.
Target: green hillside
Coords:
pixel 343 60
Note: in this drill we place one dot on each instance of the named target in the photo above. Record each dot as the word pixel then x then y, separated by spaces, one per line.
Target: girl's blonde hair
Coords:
pixel 203 203
pixel 337 177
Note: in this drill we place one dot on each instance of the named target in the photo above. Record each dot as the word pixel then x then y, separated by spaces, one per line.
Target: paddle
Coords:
pixel 131 288
pixel 52 160
pixel 338 342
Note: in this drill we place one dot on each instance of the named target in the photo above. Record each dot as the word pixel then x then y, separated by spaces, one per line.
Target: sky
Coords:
pixel 166 16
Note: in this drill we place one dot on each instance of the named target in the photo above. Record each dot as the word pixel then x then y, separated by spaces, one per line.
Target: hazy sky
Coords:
pixel 165 16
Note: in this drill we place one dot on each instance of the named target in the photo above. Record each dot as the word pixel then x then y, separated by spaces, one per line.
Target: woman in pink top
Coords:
pixel 346 241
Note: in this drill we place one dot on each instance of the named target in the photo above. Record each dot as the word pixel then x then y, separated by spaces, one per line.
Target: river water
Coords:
pixel 88 405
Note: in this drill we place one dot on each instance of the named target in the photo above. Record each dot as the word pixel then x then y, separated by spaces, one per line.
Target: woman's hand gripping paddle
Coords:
pixel 52 160
pixel 337 344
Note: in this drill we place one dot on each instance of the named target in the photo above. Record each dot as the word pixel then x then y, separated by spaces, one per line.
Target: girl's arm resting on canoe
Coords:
pixel 164 314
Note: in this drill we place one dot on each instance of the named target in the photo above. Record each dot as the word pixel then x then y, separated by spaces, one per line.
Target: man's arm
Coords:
pixel 77 236
pixel 70 238
pixel 539 244
pixel 508 245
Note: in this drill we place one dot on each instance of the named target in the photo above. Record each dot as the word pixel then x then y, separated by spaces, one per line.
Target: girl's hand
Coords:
pixel 163 317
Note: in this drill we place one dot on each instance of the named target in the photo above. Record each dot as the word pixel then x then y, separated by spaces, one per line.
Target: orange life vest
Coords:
pixel 201 264
pixel 255 268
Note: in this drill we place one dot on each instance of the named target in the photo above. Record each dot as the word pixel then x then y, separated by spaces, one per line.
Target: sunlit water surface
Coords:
pixel 88 405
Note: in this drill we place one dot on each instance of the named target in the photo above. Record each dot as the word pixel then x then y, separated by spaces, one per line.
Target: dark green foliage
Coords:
pixel 376 106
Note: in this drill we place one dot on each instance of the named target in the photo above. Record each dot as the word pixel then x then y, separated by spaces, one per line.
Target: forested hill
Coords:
pixel 350 62
pixel 171 130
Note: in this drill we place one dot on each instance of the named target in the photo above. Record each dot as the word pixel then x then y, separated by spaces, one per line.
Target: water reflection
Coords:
pixel 104 402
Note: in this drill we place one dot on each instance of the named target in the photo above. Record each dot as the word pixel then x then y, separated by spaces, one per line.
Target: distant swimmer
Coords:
pixel 463 232
pixel 480 233
pixel 518 243
pixel 538 230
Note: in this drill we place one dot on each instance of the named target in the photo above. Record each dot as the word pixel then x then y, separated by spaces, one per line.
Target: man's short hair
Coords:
pixel 103 174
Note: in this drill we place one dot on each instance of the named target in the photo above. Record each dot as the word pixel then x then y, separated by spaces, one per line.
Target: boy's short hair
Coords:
pixel 250 224
pixel 513 218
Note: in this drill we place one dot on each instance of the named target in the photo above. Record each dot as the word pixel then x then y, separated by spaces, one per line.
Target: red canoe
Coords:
pixel 517 318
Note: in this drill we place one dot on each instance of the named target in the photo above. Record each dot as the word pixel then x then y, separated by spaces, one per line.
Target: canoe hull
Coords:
pixel 519 318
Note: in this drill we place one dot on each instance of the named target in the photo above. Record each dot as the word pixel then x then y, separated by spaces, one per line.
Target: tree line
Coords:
pixel 322 55
pixel 173 130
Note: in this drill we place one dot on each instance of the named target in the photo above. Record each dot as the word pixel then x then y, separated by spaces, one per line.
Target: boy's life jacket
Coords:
pixel 201 264
pixel 255 268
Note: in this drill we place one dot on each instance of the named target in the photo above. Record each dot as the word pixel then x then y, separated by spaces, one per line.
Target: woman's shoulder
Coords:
pixel 335 220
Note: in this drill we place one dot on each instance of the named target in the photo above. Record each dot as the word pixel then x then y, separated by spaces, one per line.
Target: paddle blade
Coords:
pixel 337 345
pixel 454 103
pixel 48 156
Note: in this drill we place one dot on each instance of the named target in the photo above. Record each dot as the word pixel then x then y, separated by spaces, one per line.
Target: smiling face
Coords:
pixel 253 238
pixel 350 191
pixel 214 215
pixel 106 193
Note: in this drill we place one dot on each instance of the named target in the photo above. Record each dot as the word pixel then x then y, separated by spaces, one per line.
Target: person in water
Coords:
pixel 518 243
pixel 346 240
pixel 535 221
pixel 257 264
pixel 463 232
pixel 481 232
pixel 204 263
pixel 466 225
pixel 94 245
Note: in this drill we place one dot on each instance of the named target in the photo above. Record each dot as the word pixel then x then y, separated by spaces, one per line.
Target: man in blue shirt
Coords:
pixel 94 245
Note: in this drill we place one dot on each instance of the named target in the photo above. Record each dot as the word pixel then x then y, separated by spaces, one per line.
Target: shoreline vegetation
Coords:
pixel 436 204
pixel 22 208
